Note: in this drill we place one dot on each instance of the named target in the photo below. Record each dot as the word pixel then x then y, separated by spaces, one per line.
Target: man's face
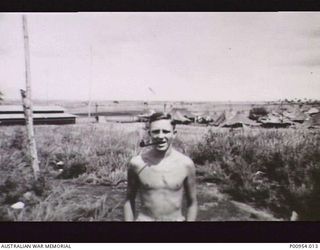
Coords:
pixel 162 131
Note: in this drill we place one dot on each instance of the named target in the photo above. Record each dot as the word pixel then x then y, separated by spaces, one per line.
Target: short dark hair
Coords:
pixel 161 116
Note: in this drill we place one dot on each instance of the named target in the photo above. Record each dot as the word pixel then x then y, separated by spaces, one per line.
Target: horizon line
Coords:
pixel 141 100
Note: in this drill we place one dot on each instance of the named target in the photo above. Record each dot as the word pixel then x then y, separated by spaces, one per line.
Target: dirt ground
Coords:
pixel 213 205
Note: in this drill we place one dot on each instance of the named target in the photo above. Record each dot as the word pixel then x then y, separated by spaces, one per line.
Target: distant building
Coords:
pixel 14 115
pixel 18 109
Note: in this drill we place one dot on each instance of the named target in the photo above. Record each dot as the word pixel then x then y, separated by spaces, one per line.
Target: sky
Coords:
pixel 189 56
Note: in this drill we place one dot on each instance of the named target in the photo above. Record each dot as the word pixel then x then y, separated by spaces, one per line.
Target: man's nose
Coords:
pixel 161 134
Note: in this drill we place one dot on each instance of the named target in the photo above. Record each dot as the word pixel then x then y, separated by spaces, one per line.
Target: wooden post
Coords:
pixel 96 109
pixel 96 115
pixel 89 104
pixel 27 104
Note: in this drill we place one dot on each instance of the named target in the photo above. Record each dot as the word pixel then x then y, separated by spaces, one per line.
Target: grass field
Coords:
pixel 277 171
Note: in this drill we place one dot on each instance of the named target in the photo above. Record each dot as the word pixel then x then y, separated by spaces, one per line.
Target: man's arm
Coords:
pixel 191 193
pixel 132 187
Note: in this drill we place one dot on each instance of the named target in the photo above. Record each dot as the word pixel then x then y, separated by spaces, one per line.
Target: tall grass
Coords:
pixel 274 169
pixel 278 169
pixel 102 152
pixel 61 205
pixel 90 154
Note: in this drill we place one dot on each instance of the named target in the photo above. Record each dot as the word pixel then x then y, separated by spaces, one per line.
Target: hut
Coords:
pixel 14 115
pixel 18 109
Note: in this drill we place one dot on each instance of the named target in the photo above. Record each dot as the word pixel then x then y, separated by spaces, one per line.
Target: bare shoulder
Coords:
pixel 136 163
pixel 185 160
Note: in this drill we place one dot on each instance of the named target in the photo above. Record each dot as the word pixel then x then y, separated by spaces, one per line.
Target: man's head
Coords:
pixel 162 130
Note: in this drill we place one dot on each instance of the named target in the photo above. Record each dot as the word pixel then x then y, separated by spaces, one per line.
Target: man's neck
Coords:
pixel 162 154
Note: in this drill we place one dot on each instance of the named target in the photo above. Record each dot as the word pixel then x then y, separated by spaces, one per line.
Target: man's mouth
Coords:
pixel 161 143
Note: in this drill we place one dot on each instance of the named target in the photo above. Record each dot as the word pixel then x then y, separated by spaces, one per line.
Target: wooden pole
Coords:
pixel 27 103
pixel 89 104
pixel 96 109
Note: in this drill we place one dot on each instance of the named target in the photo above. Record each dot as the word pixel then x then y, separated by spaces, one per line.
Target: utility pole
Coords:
pixel 27 103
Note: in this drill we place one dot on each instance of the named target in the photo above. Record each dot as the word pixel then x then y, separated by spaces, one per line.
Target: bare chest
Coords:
pixel 163 177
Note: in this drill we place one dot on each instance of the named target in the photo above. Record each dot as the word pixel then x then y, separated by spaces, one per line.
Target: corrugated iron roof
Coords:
pixel 36 116
pixel 19 108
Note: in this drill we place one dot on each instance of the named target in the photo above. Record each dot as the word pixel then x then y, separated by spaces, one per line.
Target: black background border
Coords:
pixel 174 232
pixel 157 5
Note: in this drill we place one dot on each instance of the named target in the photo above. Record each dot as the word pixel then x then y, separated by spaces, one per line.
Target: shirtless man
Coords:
pixel 161 176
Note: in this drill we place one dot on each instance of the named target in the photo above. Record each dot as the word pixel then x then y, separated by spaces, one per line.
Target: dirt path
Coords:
pixel 213 205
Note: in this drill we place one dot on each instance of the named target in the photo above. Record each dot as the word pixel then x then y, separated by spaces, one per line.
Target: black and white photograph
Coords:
pixel 160 117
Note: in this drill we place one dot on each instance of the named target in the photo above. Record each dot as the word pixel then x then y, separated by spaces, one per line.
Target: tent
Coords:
pixel 312 111
pixel 275 121
pixel 179 118
pixel 205 117
pixel 240 119
pixel 219 119
pixel 296 116
pixel 144 117
pixel 313 122
pixel 184 112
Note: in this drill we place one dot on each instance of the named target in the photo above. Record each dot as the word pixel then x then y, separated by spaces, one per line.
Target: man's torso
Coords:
pixel 161 186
